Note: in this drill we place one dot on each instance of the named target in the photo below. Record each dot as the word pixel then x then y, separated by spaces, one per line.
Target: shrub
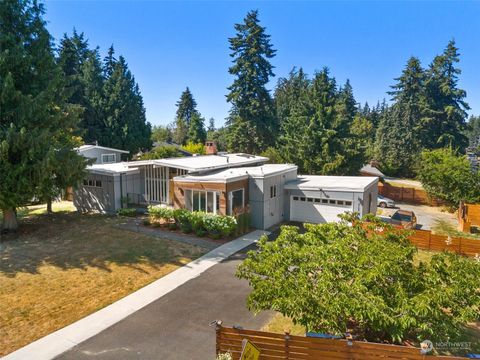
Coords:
pixel 127 212
pixel 155 224
pixel 181 216
pixel 200 232
pixel 218 225
pixel 172 226
pixel 161 213
pixel 186 228
pixel 196 220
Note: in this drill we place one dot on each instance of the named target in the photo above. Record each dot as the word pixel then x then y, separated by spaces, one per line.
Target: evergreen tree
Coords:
pixel 196 132
pixel 126 125
pixel 211 125
pixel 445 122
pixel 399 133
pixel 36 123
pixel 251 123
pixel 473 131
pixel 186 110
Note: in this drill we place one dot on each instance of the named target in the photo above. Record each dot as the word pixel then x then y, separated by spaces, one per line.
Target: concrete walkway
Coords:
pixel 64 339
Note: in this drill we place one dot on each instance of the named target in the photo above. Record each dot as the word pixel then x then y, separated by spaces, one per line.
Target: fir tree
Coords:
pixel 186 110
pixel 445 122
pixel 196 132
pixel 251 123
pixel 36 123
pixel 399 133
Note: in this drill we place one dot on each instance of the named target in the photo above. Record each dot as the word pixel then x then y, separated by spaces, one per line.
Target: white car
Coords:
pixel 384 202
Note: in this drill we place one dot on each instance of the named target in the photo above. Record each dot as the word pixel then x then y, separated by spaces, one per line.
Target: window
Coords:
pixel 348 203
pixel 236 201
pixel 324 201
pixel 332 202
pixel 310 199
pixel 273 191
pixel 295 198
pixel 91 183
pixel 85 182
pixel 109 158
pixel 317 200
pixel 340 202
pixel 98 183
pixel 208 201
pixel 302 199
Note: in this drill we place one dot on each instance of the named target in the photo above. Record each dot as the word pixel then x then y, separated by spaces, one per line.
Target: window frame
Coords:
pixel 109 162
pixel 230 200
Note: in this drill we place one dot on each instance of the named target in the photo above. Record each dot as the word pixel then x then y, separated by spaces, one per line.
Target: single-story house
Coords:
pixel 226 184
pixel 101 154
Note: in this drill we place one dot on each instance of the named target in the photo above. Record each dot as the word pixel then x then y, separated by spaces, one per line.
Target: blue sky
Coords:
pixel 171 45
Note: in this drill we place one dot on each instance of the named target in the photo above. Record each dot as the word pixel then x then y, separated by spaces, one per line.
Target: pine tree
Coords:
pixel 126 125
pixel 445 122
pixel 196 132
pixel 399 133
pixel 186 110
pixel 251 123
pixel 36 124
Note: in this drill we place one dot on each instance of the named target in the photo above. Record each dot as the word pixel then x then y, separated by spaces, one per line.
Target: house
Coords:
pixel 101 154
pixel 226 184
pixel 371 170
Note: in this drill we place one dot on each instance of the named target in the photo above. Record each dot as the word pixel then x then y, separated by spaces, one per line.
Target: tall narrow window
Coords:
pixel 273 191
pixel 236 201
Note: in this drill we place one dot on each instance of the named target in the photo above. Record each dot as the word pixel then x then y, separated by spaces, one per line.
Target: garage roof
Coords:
pixel 331 183
pixel 112 169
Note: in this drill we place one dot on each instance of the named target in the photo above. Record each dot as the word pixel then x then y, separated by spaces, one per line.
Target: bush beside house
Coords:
pixel 198 222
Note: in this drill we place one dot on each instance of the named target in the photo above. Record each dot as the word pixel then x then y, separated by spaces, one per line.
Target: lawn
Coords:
pixel 443 227
pixel 62 267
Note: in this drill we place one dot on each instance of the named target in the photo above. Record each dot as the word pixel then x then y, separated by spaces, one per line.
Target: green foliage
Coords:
pixel 131 212
pixel 448 176
pixel 316 125
pixel 189 124
pixel 194 148
pixel 217 224
pixel 161 152
pixel 473 132
pixel 274 155
pixel 251 124
pixel 161 213
pixel 114 114
pixel 161 133
pixel 37 124
pixel 342 277
pixel 181 216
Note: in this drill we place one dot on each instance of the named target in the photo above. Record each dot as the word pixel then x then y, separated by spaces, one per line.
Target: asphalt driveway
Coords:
pixel 176 326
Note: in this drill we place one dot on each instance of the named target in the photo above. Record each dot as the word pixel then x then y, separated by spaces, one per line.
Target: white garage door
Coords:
pixel 316 211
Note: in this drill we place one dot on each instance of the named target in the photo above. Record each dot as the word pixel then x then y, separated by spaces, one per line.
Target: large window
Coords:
pixel 208 201
pixel 109 158
pixel 236 201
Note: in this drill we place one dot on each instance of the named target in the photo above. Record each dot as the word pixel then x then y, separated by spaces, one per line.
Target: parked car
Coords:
pixel 404 218
pixel 385 202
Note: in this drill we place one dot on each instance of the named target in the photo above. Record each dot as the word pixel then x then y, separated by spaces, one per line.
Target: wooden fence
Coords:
pixel 288 347
pixel 468 216
pixel 407 194
pixel 424 239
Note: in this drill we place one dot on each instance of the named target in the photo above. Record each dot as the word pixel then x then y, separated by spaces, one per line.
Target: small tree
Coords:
pixel 449 176
pixel 339 278
pixel 162 152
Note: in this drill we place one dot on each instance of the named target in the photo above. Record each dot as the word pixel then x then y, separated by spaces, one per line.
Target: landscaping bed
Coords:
pixel 57 269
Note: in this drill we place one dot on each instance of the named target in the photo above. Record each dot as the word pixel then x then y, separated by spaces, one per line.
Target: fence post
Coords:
pixel 287 346
pixel 218 330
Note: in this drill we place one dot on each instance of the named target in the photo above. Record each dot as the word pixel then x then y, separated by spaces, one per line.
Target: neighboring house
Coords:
pixel 101 154
pixel 371 170
pixel 227 184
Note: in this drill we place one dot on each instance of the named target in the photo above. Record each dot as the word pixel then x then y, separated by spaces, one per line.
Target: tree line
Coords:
pixel 317 124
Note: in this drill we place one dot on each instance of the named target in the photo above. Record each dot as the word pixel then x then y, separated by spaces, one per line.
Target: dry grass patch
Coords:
pixel 60 268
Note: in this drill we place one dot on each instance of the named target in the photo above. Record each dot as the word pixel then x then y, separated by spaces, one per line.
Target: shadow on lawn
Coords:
pixel 72 240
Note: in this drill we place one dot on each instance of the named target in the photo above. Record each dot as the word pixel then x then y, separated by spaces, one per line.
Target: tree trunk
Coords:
pixel 9 220
pixel 49 206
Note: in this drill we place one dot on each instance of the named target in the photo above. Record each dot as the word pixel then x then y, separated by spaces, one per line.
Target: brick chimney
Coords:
pixel 210 148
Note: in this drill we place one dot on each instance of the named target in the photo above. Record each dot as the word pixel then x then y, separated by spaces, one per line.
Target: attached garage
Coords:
pixel 320 199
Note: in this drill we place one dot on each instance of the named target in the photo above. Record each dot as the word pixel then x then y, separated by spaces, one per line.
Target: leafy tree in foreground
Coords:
pixel 449 176
pixel 251 123
pixel 336 278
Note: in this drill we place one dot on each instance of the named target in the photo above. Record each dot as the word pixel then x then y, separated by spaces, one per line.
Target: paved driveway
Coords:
pixel 177 325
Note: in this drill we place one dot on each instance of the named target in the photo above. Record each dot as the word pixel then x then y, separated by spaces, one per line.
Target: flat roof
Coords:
pixel 331 183
pixel 88 147
pixel 239 173
pixel 204 162
pixel 112 169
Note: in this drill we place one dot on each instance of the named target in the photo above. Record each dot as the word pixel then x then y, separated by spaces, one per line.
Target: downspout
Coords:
pixel 121 190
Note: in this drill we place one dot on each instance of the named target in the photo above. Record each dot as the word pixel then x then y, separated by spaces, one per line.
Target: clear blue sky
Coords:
pixel 171 45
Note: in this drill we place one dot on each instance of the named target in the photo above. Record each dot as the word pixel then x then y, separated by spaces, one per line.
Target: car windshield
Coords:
pixel 401 217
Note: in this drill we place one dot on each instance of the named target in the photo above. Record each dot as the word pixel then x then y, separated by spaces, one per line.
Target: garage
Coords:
pixel 320 199
pixel 317 210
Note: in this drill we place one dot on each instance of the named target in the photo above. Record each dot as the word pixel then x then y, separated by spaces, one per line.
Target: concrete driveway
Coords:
pixel 177 325
pixel 427 216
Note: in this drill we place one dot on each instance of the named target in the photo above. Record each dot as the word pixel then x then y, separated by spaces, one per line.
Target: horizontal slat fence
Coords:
pixel 289 347
pixel 407 194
